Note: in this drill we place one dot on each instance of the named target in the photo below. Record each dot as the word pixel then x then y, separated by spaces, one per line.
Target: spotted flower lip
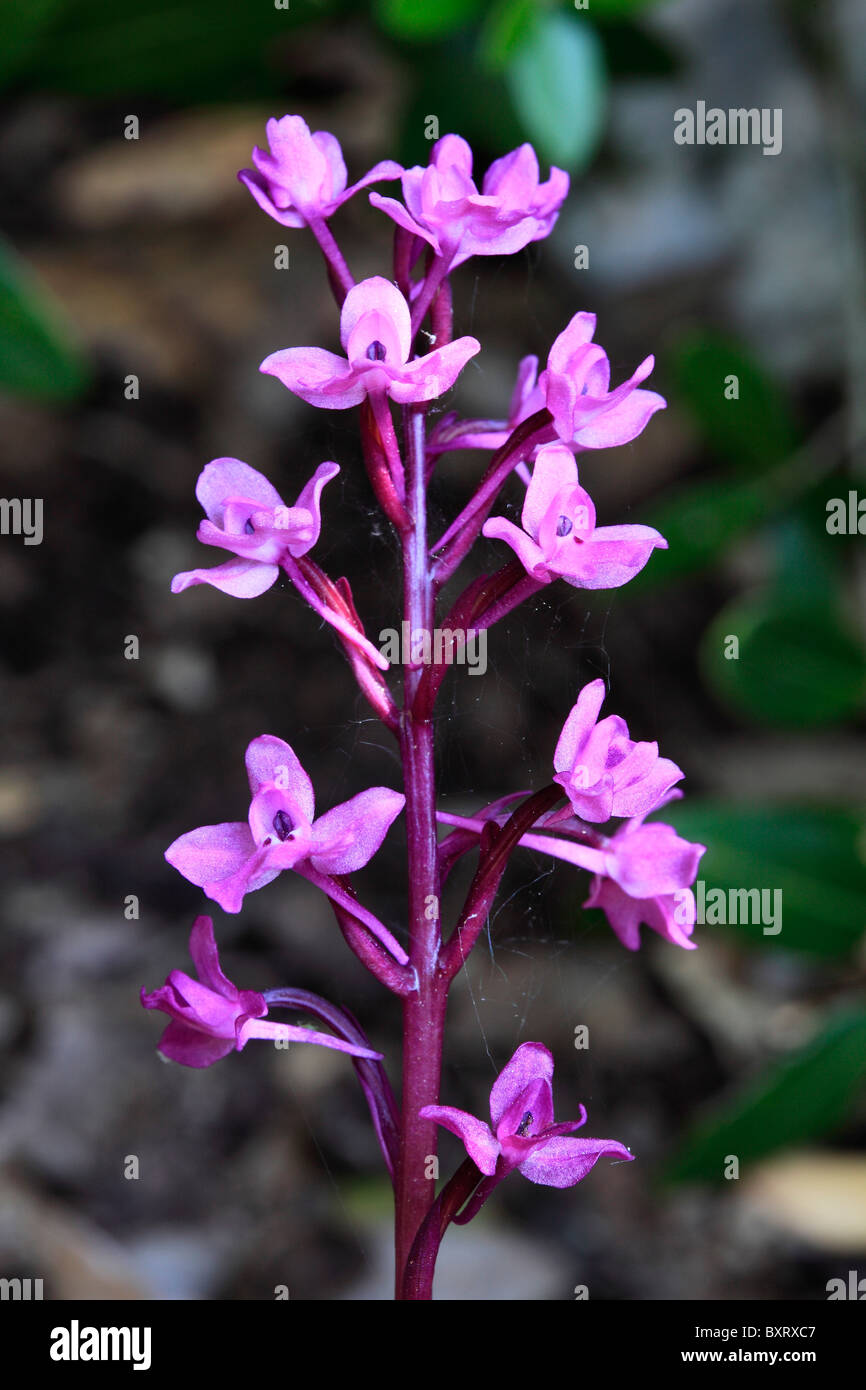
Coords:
pixel 282 832
pixel 522 1133
pixel 444 206
pixel 247 516
pixel 603 772
pixel 376 334
pixel 302 176
pixel 211 1017
pixel 559 538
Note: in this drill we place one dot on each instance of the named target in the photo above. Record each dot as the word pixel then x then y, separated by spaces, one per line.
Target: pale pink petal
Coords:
pixel 531 1062
pixel 480 1144
pixel 270 759
pixel 346 838
pixel 562 1162
pixel 240 578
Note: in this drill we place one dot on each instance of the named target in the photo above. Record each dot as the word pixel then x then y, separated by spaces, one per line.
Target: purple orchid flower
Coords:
pixel 302 178
pixel 560 540
pixel 247 516
pixel 210 1016
pixel 575 390
pixel 445 208
pixel 602 771
pixel 376 333
pixel 647 878
pixel 522 1133
pixel 237 857
pixel 641 874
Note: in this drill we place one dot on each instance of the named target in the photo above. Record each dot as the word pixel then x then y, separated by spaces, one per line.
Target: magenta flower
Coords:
pixel 302 178
pixel 560 540
pixel 575 388
pixel 376 333
pixel 210 1016
pixel 647 878
pixel 522 1133
pixel 445 208
pixel 237 857
pixel 602 771
pixel 642 873
pixel 247 516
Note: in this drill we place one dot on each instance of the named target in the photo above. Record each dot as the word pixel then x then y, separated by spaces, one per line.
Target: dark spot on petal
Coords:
pixel 376 351
pixel 524 1124
pixel 266 842
pixel 283 825
pixel 564 526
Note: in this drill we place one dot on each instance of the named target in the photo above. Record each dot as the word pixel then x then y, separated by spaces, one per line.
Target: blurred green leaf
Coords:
pixel 796 668
pixel 37 358
pixel 753 432
pixel 466 99
pixel 178 49
pixel 816 858
pixel 805 1096
pixel 558 82
pixel 504 30
pixel 414 19
pixel 22 27
pixel 617 9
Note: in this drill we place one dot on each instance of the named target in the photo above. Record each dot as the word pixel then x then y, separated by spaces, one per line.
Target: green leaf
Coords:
pixel 802 1098
pixel 702 520
pixel 616 9
pixel 504 30
pixel 558 82
pixel 814 857
pixel 797 667
pixel 23 25
pixel 465 99
pixel 177 49
pixel 37 358
pixel 754 431
pixel 425 19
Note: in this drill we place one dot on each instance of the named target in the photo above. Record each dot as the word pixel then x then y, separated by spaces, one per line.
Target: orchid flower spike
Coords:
pixel 302 177
pixel 559 538
pixel 210 1017
pixel 376 334
pixel 522 1133
pixel 236 857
